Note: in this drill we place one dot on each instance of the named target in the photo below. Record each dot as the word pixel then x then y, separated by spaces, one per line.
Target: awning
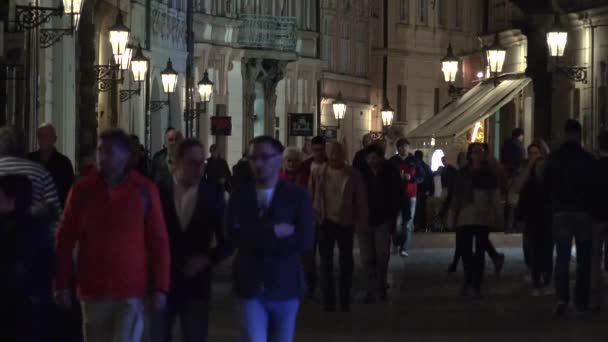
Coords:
pixel 477 104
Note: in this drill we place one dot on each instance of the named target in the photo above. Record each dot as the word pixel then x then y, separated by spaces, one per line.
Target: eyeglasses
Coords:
pixel 263 157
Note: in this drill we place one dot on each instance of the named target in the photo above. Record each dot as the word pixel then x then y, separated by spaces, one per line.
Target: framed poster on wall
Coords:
pixel 300 124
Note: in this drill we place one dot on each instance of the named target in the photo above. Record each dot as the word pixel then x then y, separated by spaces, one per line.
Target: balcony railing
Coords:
pixel 268 32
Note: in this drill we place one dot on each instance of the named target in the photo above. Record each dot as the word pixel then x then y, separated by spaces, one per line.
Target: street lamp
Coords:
pixel 169 78
pixel 496 57
pixel 388 114
pixel 449 65
pixel 119 37
pixel 205 88
pixel 339 108
pixel 126 57
pixel 139 65
pixel 557 38
pixel 73 8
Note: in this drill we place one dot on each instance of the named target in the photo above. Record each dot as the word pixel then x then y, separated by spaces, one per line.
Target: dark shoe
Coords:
pixel 560 309
pixel 477 295
pixel 369 298
pixel 465 291
pixel 499 263
pixel 452 268
pixel 346 308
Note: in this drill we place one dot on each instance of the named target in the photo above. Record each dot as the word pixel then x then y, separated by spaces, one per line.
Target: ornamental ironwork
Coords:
pixel 155 106
pixel 48 37
pixel 576 74
pixel 29 17
pixel 268 32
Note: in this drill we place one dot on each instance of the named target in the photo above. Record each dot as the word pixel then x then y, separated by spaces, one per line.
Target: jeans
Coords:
pixel 567 226
pixel 264 320
pixel 193 315
pixel 600 233
pixel 330 234
pixel 540 251
pixel 113 320
pixel 375 254
pixel 408 225
pixel 473 262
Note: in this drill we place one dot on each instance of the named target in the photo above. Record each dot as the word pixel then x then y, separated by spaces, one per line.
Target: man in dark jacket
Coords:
pixel 384 197
pixel 194 213
pixel 600 219
pixel 424 191
pixel 241 173
pixel 569 180
pixel 270 223
pixel 162 162
pixel 26 264
pixel 58 165
pixel 217 170
pixel 412 174
pixel 513 152
pixel 360 159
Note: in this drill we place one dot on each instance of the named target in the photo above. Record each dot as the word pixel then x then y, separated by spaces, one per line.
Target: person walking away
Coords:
pixel 26 264
pixel 425 190
pixel 360 159
pixel 58 165
pixel 535 212
pixel 292 160
pixel 115 218
pixel 162 165
pixel 308 166
pixel 412 175
pixel 384 193
pixel 474 210
pixel 600 220
pixel 45 201
pixel 194 213
pixel 270 223
pixel 242 173
pixel 569 184
pixel 217 170
pixel 139 158
pixel 340 205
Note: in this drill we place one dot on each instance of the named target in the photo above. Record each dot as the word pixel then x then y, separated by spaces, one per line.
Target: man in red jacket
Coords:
pixel 115 217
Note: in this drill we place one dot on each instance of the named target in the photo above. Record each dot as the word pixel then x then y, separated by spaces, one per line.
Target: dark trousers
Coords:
pixel 309 261
pixel 331 234
pixel 540 250
pixel 577 226
pixel 193 315
pixel 473 260
pixel 490 249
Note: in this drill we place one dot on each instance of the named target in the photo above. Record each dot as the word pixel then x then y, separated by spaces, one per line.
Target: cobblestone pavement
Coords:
pixel 425 305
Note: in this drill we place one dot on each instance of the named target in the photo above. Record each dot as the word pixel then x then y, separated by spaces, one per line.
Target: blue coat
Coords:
pixel 266 266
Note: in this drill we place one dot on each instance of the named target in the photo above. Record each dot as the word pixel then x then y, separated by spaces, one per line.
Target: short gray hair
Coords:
pixel 12 142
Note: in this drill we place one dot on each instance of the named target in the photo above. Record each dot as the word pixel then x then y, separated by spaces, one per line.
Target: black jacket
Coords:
pixel 569 178
pixel 159 170
pixel 512 155
pixel 60 168
pixel 533 207
pixel 360 162
pixel 599 210
pixel 27 259
pixel 384 194
pixel 242 174
pixel 265 265
pixel 216 170
pixel 205 225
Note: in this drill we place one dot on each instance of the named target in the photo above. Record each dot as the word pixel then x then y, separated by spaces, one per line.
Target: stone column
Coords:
pixel 274 74
pixel 251 71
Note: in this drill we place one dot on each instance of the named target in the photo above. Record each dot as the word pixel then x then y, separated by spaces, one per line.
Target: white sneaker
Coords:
pixel 404 254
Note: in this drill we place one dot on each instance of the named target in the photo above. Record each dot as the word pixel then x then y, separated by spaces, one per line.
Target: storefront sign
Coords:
pixel 300 124
pixel 221 125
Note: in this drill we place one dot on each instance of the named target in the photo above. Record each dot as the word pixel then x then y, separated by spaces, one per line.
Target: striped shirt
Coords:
pixel 43 188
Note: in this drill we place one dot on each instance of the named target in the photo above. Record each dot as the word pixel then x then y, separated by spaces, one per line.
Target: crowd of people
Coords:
pixel 122 252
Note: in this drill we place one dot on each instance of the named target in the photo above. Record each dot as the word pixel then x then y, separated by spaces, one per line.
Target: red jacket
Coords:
pixel 412 167
pixel 122 238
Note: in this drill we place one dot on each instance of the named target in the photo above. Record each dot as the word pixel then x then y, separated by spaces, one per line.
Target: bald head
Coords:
pixel 47 137
pixel 337 158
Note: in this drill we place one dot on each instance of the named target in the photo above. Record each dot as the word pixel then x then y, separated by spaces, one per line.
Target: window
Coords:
pixel 404 11
pixel 458 14
pixel 401 103
pixel 361 59
pixel 345 50
pixel 441 12
pixel 422 12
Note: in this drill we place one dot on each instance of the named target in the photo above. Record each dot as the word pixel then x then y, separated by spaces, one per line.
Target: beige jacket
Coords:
pixel 354 211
